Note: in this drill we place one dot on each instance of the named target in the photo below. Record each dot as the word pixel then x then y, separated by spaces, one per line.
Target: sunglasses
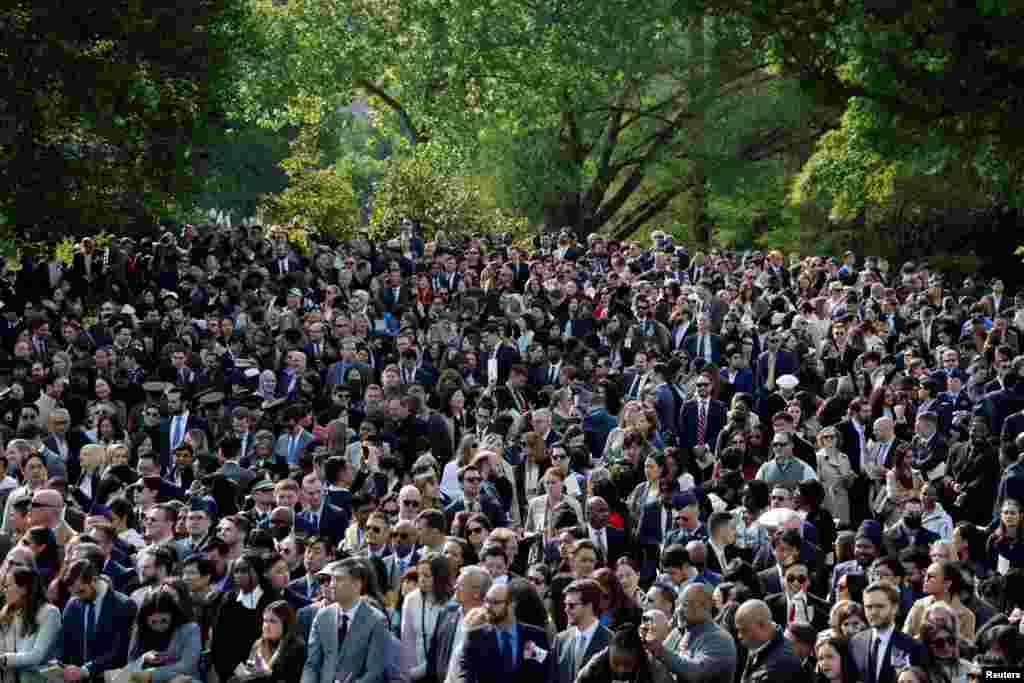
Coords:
pixel 703 385
pixel 376 529
pixel 404 536
pixel 801 579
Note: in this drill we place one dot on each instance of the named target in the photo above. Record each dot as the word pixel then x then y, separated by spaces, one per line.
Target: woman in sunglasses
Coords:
pixel 944 661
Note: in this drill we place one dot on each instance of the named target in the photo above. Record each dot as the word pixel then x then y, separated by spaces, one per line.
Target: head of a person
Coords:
pixel 278 621
pixel 500 605
pixel 881 601
pixel 754 624
pixel 626 653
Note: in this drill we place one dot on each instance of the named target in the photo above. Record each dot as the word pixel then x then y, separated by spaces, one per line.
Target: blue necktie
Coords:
pixel 508 657
pixel 90 632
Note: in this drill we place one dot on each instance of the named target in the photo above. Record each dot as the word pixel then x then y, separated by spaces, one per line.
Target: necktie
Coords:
pixel 792 613
pixel 702 422
pixel 292 443
pixel 873 658
pixel 700 346
pixel 551 375
pixel 314 518
pixel 90 631
pixel 342 631
pixel 508 657
pixel 176 434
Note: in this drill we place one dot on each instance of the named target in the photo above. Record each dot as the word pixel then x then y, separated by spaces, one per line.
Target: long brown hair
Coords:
pixel 26 578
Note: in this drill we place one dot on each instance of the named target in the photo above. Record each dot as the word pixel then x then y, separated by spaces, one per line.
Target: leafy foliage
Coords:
pixel 428 189
pixel 106 107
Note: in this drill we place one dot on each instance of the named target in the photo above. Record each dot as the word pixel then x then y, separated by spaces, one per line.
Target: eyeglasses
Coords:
pixel 801 579
pixel 410 503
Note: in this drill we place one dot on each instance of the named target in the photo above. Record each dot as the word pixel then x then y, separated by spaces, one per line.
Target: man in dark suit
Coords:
pixel 882 650
pixel 475 498
pixel 736 378
pixel 795 602
pixel 721 541
pixel 700 421
pixel 586 636
pixel 610 541
pixel 908 531
pixel 703 343
pixel 97 624
pixel 774 363
pixel 770 655
pixel 176 426
pixel 929 448
pixel 323 518
pixel 504 651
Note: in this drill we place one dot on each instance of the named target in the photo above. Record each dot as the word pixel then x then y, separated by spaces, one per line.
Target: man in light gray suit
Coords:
pixel 305 616
pixel 349 639
pixel 586 636
pixel 707 652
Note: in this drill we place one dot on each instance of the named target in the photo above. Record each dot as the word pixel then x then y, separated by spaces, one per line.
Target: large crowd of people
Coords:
pixel 232 457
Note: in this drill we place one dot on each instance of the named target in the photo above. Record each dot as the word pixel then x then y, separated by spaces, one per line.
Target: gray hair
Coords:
pixel 480 576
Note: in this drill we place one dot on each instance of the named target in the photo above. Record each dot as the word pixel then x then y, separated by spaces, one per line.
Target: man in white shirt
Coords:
pixel 585 637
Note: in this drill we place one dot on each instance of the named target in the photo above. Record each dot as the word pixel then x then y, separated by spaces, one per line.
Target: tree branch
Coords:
pixel 415 135
pixel 647 210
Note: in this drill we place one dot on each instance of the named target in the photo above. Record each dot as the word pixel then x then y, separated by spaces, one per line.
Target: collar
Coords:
pixel 588 633
pixel 350 612
pixel 250 600
pixel 884 634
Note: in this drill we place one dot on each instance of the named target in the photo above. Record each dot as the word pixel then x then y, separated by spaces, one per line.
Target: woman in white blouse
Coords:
pixel 29 625
pixel 540 514
pixel 422 610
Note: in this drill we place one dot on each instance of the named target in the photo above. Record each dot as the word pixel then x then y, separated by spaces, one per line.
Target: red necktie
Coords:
pixel 792 613
pixel 702 422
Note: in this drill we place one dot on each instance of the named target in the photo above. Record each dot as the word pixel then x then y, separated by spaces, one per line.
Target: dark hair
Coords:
pixel 28 579
pixel 49 558
pixel 741 572
pixel 283 611
pixel 529 607
pixel 841 646
pixel 182 594
pixel 589 590
pixel 147 639
pixel 441 571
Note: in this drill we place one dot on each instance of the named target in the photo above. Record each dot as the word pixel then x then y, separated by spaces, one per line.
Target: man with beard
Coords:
pixel 974 473
pixel 908 530
pixel 865 550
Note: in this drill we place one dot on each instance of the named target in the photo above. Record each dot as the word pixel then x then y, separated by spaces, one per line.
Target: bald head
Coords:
pixel 698 552
pixel 695 604
pixel 754 624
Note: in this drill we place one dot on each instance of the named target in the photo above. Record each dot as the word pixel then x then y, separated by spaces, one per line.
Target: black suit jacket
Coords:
pixel 901 650
pixel 779 606
pixel 776 663
pixel 441 644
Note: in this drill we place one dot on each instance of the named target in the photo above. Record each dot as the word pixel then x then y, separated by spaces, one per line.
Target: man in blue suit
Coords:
pixel 882 650
pixel 324 519
pixel 505 651
pixel 736 378
pixel 703 343
pixel 97 625
pixel 700 421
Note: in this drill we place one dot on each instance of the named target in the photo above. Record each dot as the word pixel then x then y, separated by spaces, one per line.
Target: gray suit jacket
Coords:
pixel 363 654
pixel 565 651
pixel 710 655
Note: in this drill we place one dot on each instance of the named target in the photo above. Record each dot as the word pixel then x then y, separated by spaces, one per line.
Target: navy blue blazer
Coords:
pixel 111 639
pixel 481 657
pixel 902 650
pixel 490 507
pixel 690 345
pixel 715 421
